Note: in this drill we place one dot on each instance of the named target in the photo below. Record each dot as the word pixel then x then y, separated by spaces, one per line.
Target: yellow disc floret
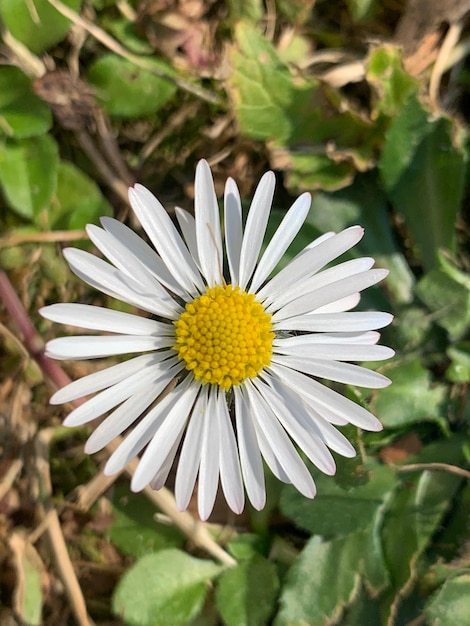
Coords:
pixel 224 336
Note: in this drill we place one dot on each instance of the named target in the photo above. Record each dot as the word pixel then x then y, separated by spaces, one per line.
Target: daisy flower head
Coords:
pixel 227 368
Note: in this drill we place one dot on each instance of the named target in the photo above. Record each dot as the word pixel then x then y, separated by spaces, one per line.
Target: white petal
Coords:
pixel 166 239
pixel 311 420
pixel 161 476
pixel 206 213
pixel 338 306
pixel 280 443
pixel 323 396
pixel 250 456
pixel 230 474
pixel 336 322
pixel 334 439
pixel 330 293
pixel 283 237
pixel 122 258
pixel 315 242
pixel 301 430
pixel 141 434
pixel 106 278
pixel 365 338
pixel 146 255
pixel 105 378
pixel 255 227
pixel 233 228
pixel 311 261
pixel 188 228
pixel 210 454
pixel 337 352
pixel 331 275
pixel 271 459
pixel 191 452
pixel 98 318
pixel 94 347
pixel 125 415
pixel 163 440
pixel 159 374
pixel 346 373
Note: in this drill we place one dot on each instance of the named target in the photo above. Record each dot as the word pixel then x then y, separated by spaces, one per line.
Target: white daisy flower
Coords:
pixel 232 359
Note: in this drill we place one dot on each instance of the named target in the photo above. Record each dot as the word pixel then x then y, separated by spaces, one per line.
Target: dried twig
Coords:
pixel 440 66
pixel 53 236
pixel 9 477
pixel 443 467
pixel 145 64
pixel 56 538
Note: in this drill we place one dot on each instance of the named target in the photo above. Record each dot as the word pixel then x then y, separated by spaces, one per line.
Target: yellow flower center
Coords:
pixel 224 336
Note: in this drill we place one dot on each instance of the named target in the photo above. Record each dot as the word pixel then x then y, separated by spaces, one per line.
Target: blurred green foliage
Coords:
pixel 332 114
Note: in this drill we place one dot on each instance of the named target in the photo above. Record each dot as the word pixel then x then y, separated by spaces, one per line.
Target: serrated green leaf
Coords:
pixel 322 583
pixel 413 518
pixel 167 588
pixel 450 606
pixel 78 200
pixel 245 546
pixel 335 511
pixel 412 381
pixel 134 530
pixel 127 91
pixel 448 297
pixel 410 329
pixel 262 86
pixel 246 594
pixel 28 174
pixel 423 172
pixel 316 171
pixel 393 85
pixel 36 24
pixel 22 113
pixel 363 611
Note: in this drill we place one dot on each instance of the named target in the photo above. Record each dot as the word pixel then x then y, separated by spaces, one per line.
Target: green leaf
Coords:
pixel 410 329
pixel 414 517
pixel 459 369
pixel 392 84
pixel 28 174
pixel 335 511
pixel 78 200
pixel 125 32
pixel 446 292
pixel 310 171
pixel 261 85
pixel 37 24
pixel 325 580
pixel 363 10
pixel 134 530
pixel 249 10
pixel 412 381
pixel 364 203
pixel 246 594
pixel 450 606
pixel 167 588
pixel 423 172
pixel 28 597
pixel 22 113
pixel 127 91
